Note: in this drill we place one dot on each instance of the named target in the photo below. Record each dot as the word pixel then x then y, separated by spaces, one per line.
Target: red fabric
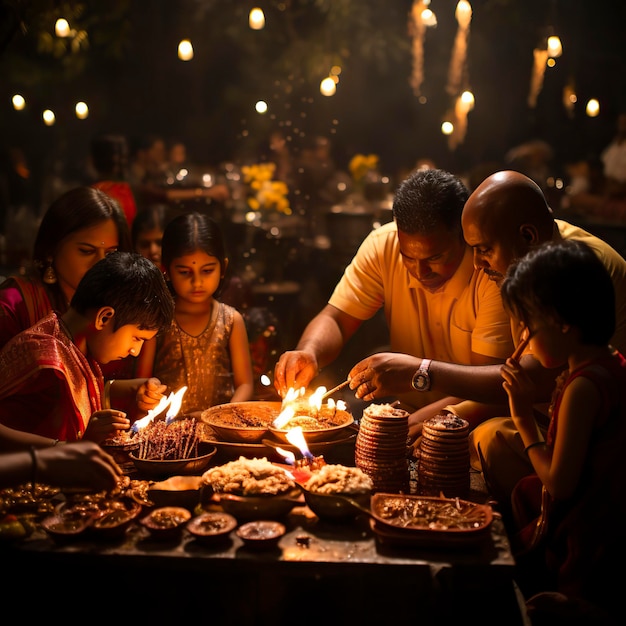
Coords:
pixel 585 536
pixel 122 192
pixel 48 386
pixel 22 303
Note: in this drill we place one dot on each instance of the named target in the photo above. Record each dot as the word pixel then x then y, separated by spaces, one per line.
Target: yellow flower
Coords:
pixel 266 193
pixel 360 164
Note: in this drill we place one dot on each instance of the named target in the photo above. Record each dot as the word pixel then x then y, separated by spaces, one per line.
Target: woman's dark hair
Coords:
pixel 132 285
pixel 189 232
pixel 76 209
pixel 428 198
pixel 547 282
pixel 153 216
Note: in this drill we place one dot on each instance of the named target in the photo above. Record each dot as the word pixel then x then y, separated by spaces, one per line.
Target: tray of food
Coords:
pixel 427 521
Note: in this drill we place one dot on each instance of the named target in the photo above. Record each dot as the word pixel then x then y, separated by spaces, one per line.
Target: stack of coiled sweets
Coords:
pixel 381 448
pixel 444 458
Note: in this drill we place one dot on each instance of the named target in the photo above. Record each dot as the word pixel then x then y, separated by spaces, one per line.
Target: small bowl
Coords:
pixel 337 507
pixel 261 534
pixel 166 523
pixel 120 450
pixel 333 427
pixel 67 527
pixel 258 507
pixel 112 523
pixel 211 528
pixel 176 491
pixel 157 468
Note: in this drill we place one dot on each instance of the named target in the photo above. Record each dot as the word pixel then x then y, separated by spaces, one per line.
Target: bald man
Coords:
pixel 502 220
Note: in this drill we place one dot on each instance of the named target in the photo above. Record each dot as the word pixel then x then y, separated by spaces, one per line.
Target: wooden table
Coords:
pixel 321 573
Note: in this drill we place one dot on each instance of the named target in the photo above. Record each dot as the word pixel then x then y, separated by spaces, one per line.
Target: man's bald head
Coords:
pixel 505 216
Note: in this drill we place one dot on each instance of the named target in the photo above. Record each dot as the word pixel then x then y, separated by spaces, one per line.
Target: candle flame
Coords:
pixel 290 457
pixel 174 401
pixel 284 416
pixel 295 436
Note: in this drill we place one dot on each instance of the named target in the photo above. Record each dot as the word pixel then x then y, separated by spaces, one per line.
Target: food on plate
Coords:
pixel 245 477
pixel 431 513
pixel 383 410
pixel 331 479
pixel 243 415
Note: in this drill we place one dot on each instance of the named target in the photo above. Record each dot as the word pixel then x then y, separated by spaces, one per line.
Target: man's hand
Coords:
pixel 295 369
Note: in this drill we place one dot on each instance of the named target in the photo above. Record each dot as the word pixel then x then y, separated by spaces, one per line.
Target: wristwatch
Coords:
pixel 421 378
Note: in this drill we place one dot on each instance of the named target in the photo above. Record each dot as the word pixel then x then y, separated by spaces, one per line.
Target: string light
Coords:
pixel 18 102
pixel 593 108
pixel 328 87
pixel 48 117
pixel 82 110
pixel 256 19
pixel 62 28
pixel 185 50
pixel 555 49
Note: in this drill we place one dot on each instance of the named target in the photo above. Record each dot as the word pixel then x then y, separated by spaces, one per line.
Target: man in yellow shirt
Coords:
pixel 504 217
pixel 420 271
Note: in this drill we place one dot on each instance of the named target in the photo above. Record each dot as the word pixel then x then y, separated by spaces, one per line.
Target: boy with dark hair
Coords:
pixel 51 385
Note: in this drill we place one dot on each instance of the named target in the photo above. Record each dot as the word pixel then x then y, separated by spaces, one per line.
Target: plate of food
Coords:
pixel 323 424
pixel 241 422
pixel 251 488
pixel 428 521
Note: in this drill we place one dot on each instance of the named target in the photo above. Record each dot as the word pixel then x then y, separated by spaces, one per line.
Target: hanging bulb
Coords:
pixel 554 47
pixel 256 19
pixel 185 50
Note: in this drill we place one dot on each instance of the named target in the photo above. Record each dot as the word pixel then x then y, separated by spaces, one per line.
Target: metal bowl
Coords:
pixel 211 527
pixel 258 507
pixel 242 422
pixel 261 534
pixel 166 523
pixel 337 506
pixel 112 523
pixel 332 424
pixel 176 491
pixel 162 468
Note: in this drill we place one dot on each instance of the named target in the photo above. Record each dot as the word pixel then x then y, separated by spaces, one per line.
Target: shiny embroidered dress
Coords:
pixel 202 363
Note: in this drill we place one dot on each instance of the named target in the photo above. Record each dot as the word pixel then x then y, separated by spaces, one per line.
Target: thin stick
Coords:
pixel 337 388
pixel 520 348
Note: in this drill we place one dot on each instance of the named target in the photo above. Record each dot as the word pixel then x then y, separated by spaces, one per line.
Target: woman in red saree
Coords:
pixel 78 229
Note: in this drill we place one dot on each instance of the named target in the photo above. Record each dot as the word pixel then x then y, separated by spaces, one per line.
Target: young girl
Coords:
pixel 206 347
pixel 578 491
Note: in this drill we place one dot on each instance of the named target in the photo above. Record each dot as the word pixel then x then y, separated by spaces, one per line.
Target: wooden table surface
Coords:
pixel 319 569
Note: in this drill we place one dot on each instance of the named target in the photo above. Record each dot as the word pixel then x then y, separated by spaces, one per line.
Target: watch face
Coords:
pixel 420 382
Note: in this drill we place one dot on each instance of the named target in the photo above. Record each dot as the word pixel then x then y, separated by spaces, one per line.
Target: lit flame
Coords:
pixel 174 401
pixel 295 437
pixel 293 394
pixel 290 457
pixel 315 400
pixel 284 416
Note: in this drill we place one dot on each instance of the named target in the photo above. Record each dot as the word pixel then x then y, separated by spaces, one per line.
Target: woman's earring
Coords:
pixel 49 275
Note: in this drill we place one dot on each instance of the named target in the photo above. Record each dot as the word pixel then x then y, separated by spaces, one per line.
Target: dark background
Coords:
pixel 130 76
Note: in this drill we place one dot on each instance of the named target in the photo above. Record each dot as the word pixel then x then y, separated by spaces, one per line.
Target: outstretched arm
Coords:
pixel 320 344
